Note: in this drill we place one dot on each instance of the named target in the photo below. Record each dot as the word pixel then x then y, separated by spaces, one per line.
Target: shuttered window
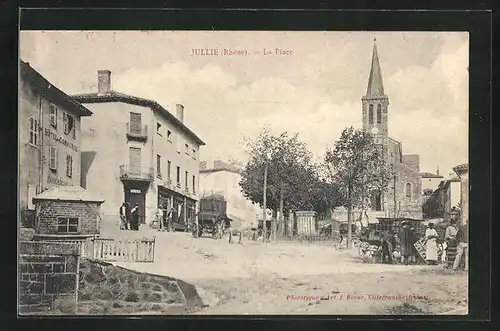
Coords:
pixel 194 184
pixel 53 115
pixel 158 166
pixel 53 158
pixel 186 176
pixel 135 123
pixel 179 176
pixel 33 129
pixel 169 170
pixel 69 165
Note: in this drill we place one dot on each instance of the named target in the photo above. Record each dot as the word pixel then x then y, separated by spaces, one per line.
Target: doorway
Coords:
pixel 137 195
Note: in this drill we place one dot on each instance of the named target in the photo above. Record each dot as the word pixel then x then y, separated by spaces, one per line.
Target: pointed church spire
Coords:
pixel 375 84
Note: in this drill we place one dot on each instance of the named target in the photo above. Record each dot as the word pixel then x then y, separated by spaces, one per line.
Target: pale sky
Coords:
pixel 316 91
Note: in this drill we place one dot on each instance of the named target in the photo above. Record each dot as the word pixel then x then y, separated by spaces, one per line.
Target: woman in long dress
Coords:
pixel 431 252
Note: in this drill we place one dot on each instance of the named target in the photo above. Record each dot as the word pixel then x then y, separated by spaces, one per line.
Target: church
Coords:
pixel 402 197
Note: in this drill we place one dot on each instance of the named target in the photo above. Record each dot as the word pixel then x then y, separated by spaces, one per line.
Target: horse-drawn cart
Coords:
pixel 211 217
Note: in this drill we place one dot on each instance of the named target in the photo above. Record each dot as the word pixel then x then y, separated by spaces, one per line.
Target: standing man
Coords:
pixel 462 247
pixel 159 218
pixel 407 239
pixel 128 216
pixel 388 245
pixel 451 241
pixel 135 217
pixel 431 249
pixel 123 216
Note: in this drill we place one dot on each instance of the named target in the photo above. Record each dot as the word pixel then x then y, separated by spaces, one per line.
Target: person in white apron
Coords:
pixel 431 251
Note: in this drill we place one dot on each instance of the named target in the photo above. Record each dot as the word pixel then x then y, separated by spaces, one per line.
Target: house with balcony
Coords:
pixel 135 150
pixel 49 139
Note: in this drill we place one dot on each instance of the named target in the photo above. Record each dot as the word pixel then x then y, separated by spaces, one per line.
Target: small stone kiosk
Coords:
pixel 66 213
pixel 306 223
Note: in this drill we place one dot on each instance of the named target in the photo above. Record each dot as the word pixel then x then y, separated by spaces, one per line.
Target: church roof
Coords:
pixel 375 83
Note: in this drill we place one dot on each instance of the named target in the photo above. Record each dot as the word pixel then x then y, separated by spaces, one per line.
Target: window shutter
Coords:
pixel 53 158
pixel 66 123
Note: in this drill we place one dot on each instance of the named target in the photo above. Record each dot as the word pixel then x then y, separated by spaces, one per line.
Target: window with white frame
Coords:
pixel 67 225
pixel 169 135
pixel 194 153
pixel 186 148
pixel 33 126
pixel 53 158
pixel 53 115
pixel 69 166
pixel 158 129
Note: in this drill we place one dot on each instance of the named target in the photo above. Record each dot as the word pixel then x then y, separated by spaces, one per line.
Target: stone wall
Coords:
pixel 49 211
pixel 48 277
pixel 108 289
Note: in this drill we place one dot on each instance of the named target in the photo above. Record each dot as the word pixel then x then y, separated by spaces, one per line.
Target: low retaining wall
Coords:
pixel 109 289
pixel 48 277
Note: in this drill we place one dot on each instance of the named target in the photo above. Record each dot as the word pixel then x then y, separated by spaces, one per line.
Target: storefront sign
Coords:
pixel 135 191
pixel 60 139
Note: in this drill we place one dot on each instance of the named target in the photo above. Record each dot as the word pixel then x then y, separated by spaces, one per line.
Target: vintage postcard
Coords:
pixel 243 173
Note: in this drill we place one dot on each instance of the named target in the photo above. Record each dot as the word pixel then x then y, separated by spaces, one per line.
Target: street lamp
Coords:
pixel 264 212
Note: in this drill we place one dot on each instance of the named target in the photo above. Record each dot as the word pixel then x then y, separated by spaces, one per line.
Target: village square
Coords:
pixel 126 208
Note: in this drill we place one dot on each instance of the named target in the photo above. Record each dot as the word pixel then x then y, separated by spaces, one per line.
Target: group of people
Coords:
pixel 129 216
pixel 401 244
pixel 163 220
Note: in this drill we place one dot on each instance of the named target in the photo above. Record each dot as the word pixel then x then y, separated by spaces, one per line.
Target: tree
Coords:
pixel 292 176
pixel 358 167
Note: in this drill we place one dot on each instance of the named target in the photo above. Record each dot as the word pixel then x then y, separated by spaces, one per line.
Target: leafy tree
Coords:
pixel 292 181
pixel 358 167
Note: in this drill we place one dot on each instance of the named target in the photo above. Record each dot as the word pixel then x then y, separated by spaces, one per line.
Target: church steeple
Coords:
pixel 375 102
pixel 375 83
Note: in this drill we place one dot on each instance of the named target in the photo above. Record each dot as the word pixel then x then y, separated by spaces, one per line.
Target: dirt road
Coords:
pixel 285 278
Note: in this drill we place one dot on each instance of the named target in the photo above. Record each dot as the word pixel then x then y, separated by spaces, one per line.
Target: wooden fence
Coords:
pixel 116 250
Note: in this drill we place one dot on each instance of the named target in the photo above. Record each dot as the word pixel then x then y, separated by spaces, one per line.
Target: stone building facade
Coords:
pixel 402 198
pixel 135 150
pixel 49 136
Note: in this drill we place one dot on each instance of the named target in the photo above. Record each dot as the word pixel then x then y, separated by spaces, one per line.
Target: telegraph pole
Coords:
pixel 264 214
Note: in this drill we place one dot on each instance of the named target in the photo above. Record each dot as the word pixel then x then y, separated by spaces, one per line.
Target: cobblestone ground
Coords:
pixel 289 278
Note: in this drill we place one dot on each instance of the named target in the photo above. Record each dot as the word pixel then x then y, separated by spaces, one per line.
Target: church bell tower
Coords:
pixel 375 103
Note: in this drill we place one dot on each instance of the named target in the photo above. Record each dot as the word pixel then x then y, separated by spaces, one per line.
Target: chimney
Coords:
pixel 103 81
pixel 180 112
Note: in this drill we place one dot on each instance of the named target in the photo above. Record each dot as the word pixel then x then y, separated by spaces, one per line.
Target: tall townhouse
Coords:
pixel 134 150
pixel 49 136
